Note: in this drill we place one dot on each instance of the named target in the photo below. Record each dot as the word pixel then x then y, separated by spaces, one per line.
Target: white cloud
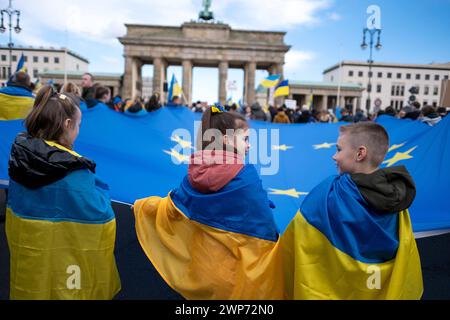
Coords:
pixel 270 14
pixel 296 60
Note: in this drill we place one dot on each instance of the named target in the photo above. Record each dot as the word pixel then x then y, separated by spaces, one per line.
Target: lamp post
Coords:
pixel 10 12
pixel 372 33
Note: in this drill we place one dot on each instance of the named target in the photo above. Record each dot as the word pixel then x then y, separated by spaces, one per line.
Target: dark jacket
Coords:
pixel 33 163
pixel 389 190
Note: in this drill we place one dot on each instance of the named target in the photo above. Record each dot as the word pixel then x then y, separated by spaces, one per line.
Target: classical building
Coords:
pixel 40 60
pixel 391 81
pixel 325 94
pixel 111 80
pixel 199 44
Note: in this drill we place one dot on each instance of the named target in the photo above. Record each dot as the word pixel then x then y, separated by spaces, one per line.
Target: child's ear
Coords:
pixel 67 123
pixel 361 154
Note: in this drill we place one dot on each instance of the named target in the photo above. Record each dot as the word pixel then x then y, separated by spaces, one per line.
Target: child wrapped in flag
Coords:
pixel 352 237
pixel 60 225
pixel 214 237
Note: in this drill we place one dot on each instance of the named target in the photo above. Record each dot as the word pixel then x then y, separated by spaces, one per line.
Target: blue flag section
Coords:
pixel 140 156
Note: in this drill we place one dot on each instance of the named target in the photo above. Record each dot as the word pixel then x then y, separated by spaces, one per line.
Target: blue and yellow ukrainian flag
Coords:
pixel 271 81
pixel 61 239
pixel 214 246
pixel 21 65
pixel 282 89
pixel 337 248
pixel 175 89
pixel 15 103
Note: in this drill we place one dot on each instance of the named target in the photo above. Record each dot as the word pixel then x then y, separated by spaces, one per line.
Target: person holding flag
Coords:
pixel 175 93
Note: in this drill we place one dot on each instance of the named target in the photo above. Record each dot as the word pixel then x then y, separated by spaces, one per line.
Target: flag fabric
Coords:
pixel 309 103
pixel 340 247
pixel 61 234
pixel 21 65
pixel 15 103
pixel 221 245
pixel 175 89
pixel 282 89
pixel 131 163
pixel 271 81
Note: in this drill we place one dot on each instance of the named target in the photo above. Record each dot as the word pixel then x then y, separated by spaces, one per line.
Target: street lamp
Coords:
pixel 372 33
pixel 10 12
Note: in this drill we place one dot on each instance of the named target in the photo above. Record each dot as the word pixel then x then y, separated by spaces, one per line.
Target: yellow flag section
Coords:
pixel 319 265
pixel 61 239
pixel 15 103
pixel 201 262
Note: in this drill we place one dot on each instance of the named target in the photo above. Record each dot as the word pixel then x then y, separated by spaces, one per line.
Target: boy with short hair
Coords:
pixel 352 237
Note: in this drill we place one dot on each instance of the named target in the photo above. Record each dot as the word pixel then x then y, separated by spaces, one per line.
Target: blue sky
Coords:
pixel 321 32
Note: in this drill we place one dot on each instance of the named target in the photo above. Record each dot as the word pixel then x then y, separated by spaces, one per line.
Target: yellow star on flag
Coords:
pixel 323 146
pixel 399 156
pixel 180 157
pixel 282 147
pixel 183 143
pixel 396 146
pixel 291 192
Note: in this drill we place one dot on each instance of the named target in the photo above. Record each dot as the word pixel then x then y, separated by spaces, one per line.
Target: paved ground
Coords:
pixel 141 281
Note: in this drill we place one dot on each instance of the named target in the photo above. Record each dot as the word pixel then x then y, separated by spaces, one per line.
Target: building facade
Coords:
pixel 41 60
pixel 391 82
pixel 324 95
pixel 111 80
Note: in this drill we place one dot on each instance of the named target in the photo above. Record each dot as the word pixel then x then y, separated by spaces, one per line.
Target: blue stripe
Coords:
pixel 337 209
pixel 17 92
pixel 241 206
pixel 79 197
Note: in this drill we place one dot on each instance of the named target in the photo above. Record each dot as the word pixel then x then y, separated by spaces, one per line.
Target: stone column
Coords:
pixel 158 76
pixel 223 75
pixel 324 102
pixel 130 77
pixel 280 70
pixel 187 81
pixel 250 83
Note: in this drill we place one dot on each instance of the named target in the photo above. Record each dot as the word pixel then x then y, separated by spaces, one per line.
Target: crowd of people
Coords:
pixel 92 94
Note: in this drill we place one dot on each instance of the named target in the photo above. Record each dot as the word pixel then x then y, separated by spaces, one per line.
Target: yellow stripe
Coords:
pixel 201 262
pixel 56 145
pixel 282 91
pixel 315 269
pixel 14 107
pixel 42 251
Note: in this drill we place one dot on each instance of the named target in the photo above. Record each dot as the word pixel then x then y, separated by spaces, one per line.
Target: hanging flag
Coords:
pixel 271 81
pixel 282 89
pixel 175 89
pixel 21 65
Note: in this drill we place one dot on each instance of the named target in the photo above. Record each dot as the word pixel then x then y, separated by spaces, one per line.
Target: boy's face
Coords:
pixel 346 155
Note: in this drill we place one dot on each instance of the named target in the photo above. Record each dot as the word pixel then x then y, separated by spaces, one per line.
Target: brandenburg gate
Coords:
pixel 199 44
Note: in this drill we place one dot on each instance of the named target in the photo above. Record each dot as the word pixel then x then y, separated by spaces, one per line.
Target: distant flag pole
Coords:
pixel 65 57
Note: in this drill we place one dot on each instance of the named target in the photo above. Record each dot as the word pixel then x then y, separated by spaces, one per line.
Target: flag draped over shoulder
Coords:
pixel 61 235
pixel 15 103
pixel 214 246
pixel 339 247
